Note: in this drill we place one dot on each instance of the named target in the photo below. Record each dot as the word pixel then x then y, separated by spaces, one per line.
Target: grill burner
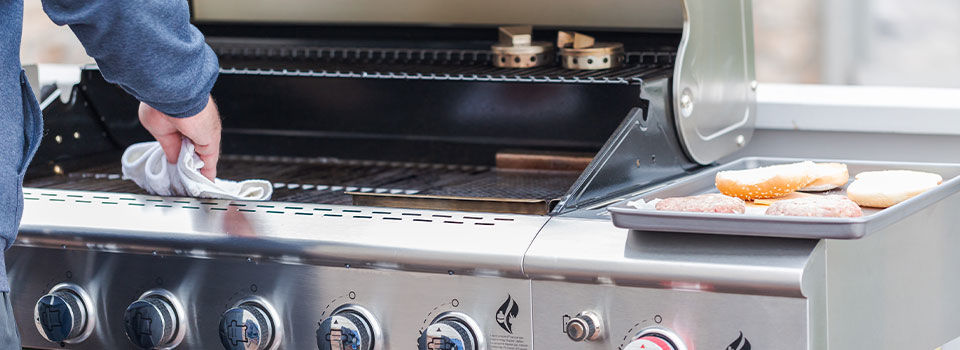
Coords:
pixel 329 181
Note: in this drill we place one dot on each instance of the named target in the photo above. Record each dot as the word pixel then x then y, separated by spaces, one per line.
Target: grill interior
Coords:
pixel 335 124
pixel 327 181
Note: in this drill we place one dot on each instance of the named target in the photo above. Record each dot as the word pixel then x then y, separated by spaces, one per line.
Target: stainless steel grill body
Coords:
pixel 408 265
pixel 373 99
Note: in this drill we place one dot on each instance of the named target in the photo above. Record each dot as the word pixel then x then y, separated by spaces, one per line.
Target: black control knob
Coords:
pixel 350 328
pixel 63 315
pixel 247 327
pixel 450 333
pixel 152 322
pixel 584 327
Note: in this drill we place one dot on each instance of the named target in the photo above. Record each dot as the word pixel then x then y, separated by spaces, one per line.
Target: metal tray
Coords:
pixel 625 216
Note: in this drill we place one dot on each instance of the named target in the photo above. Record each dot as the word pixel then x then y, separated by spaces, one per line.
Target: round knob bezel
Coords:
pixel 367 316
pixel 90 316
pixel 472 325
pixel 662 333
pixel 588 319
pixel 272 316
pixel 178 310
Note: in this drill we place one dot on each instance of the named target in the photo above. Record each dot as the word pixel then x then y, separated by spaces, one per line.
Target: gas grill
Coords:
pixel 428 196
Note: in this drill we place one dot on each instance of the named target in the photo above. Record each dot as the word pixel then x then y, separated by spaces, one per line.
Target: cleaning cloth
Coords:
pixel 145 164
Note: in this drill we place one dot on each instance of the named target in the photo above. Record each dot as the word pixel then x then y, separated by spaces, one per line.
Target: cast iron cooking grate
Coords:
pixel 328 180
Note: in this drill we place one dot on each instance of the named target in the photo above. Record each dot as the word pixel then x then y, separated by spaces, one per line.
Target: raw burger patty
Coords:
pixel 704 203
pixel 835 206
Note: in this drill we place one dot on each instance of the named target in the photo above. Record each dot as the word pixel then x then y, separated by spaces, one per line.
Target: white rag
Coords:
pixel 146 164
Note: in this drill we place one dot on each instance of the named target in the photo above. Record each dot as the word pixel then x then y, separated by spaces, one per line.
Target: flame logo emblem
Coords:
pixel 506 313
pixel 740 344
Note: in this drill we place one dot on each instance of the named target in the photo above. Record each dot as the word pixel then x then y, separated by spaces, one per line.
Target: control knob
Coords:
pixel 452 331
pixel 65 314
pixel 250 325
pixel 584 327
pixel 655 339
pixel 350 327
pixel 154 321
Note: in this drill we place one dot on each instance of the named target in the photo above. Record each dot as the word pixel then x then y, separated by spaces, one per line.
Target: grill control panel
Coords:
pixel 170 302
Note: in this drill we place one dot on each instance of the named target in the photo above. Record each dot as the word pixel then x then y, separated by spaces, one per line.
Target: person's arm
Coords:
pixel 151 50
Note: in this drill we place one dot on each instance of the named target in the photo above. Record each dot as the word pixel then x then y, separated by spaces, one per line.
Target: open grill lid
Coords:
pixel 714 85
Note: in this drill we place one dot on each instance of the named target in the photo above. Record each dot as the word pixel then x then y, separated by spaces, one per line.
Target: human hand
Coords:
pixel 203 129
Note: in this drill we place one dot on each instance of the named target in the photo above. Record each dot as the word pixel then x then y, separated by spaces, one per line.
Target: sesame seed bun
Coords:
pixel 766 182
pixel 828 177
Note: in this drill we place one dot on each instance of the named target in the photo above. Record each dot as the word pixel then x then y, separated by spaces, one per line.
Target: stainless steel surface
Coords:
pixel 715 69
pixel 597 56
pixel 654 14
pixel 303 295
pixel 900 280
pixel 781 226
pixel 593 251
pixel 700 319
pixel 642 152
pixel 378 238
pixel 350 327
pixel 65 314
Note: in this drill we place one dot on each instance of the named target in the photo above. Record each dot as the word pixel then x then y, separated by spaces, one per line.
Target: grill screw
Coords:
pixel 686 103
pixel 58 138
pixel 741 140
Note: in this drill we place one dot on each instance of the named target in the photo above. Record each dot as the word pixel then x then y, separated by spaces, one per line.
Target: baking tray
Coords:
pixel 625 216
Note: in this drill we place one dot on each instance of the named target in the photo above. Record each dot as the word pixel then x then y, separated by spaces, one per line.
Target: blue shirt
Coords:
pixel 148 47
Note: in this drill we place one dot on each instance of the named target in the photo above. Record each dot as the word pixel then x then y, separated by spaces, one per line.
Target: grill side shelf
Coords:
pixel 627 216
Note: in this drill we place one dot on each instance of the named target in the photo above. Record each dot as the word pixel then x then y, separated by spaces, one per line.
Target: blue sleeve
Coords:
pixel 148 47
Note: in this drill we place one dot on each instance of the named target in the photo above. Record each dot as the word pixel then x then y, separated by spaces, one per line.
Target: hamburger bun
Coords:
pixel 828 176
pixel 882 189
pixel 766 182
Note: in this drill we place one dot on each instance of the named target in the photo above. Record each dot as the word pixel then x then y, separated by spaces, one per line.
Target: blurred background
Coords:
pixel 849 42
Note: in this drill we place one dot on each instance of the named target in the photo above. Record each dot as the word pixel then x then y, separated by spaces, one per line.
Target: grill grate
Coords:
pixel 326 181
pixel 421 64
